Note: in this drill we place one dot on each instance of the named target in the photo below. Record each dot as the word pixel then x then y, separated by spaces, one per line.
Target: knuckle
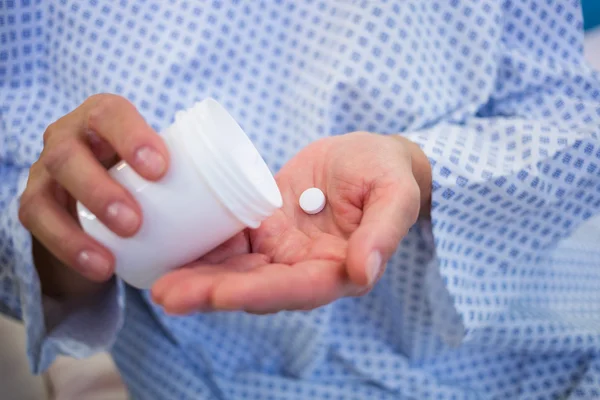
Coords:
pixel 56 156
pixel 103 106
pixel 27 208
pixel 34 172
pixel 359 133
pixel 23 215
pixel 99 196
pixel 105 99
pixel 51 132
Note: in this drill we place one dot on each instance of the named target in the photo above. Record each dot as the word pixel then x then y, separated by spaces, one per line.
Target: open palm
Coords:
pixel 297 261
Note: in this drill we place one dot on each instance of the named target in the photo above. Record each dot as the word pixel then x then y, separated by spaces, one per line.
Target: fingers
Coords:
pixel 275 287
pixel 189 288
pixel 117 121
pixel 78 145
pixel 77 149
pixel 390 210
pixel 72 164
pixel 101 149
pixel 61 235
pixel 263 289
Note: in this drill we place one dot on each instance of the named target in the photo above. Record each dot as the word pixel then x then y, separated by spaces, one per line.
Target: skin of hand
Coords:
pixel 77 149
pixel 376 186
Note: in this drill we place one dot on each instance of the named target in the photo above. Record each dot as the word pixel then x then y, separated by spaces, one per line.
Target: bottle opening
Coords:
pixel 229 162
pixel 243 157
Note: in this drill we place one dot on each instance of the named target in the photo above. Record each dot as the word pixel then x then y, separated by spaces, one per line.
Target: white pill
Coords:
pixel 312 201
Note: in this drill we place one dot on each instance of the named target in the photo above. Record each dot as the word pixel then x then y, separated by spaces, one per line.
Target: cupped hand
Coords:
pixel 297 261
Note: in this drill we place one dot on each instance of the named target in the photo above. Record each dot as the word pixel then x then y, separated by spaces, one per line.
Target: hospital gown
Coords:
pixel 496 296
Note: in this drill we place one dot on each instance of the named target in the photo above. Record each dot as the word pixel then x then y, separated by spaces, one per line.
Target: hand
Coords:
pixel 375 186
pixel 77 149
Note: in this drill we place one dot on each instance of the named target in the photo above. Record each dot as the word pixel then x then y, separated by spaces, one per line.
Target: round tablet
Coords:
pixel 312 201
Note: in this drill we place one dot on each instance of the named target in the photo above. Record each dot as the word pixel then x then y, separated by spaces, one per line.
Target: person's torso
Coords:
pixel 290 72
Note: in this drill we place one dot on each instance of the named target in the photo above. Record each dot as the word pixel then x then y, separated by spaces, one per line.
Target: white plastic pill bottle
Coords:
pixel 216 186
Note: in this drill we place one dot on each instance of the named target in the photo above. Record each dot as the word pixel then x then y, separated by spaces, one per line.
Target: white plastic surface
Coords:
pixel 200 203
pixel 312 201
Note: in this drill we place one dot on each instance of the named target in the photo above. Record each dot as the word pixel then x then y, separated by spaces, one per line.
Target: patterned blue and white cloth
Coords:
pixel 497 297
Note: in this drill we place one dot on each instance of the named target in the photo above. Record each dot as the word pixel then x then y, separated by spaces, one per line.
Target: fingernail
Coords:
pixel 373 266
pixel 94 262
pixel 151 161
pixel 123 216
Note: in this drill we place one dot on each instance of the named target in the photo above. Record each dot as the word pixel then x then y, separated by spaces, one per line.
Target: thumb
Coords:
pixel 390 209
